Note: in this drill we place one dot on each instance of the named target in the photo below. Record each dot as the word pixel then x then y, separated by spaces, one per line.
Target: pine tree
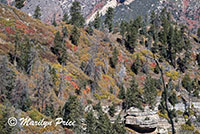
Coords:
pixel 72 111
pixel 114 58
pixel 136 65
pixel 65 18
pixel 58 43
pixel 173 99
pixel 104 125
pixel 133 97
pixel 65 32
pixel 97 21
pixel 198 59
pixel 37 13
pixel 109 18
pixel 187 83
pixel 153 18
pixel 49 110
pixel 60 48
pixel 27 56
pixel 150 92
pixel 7 80
pixel 90 123
pixel 77 18
pixel 123 29
pixel 75 35
pixel 131 37
pixel 122 93
pixel 138 22
pixel 90 30
pixel 54 23
pixel 198 32
pixel 19 3
pixel 7 111
pixel 112 110
pixel 117 127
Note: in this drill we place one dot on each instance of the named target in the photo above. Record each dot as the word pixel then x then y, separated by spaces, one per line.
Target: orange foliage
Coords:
pixel 68 78
pixel 84 91
pixel 74 85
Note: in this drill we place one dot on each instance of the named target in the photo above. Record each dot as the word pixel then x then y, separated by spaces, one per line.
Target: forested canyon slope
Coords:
pixel 141 75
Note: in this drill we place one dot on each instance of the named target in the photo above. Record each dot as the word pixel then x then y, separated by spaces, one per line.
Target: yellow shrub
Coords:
pixel 187 127
pixel 35 115
pixel 163 115
pixel 173 74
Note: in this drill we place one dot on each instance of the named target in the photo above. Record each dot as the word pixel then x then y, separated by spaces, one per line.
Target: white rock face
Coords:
pixel 144 119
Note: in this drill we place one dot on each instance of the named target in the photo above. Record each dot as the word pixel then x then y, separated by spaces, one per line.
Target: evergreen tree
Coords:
pixel 198 32
pixel 112 110
pixel 133 96
pixel 77 18
pixel 153 18
pixel 72 111
pixel 138 22
pixel 114 58
pixel 109 18
pixel 98 107
pixel 173 99
pixel 54 23
pixel 97 21
pixel 75 35
pixel 123 30
pixel 37 13
pixel 65 32
pixel 104 124
pixel 19 3
pixel 65 18
pixel 7 80
pixel 90 123
pixel 156 69
pixel 58 43
pixel 131 36
pixel 90 30
pixel 117 127
pixel 49 110
pixel 187 83
pixel 198 59
pixel 136 65
pixel 7 111
pixel 122 93
pixel 27 56
pixel 150 92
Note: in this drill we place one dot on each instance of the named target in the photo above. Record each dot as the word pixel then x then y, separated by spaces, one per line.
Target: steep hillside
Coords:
pixel 143 79
pixel 184 11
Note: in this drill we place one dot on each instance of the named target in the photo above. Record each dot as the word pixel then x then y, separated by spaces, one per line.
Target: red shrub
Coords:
pixel 75 48
pixel 9 30
pixel 68 78
pixel 153 65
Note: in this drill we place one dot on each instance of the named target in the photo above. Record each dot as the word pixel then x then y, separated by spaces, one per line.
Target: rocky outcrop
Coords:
pixel 142 121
